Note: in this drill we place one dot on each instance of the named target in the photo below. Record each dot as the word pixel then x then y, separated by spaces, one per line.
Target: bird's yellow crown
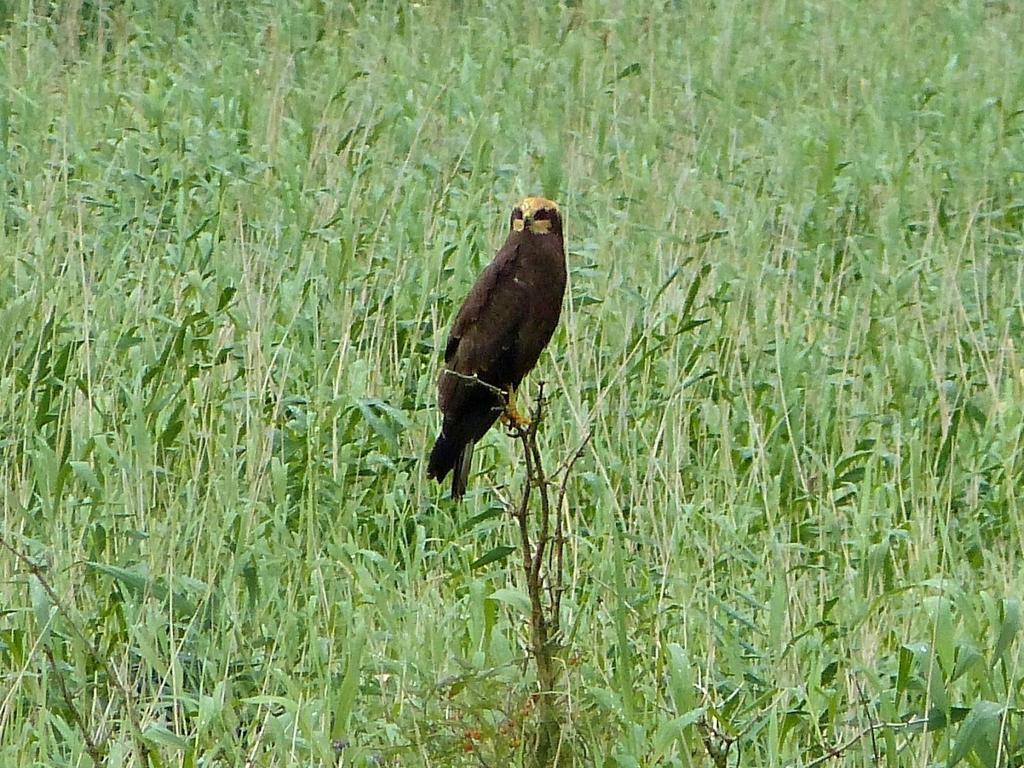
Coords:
pixel 525 215
pixel 530 205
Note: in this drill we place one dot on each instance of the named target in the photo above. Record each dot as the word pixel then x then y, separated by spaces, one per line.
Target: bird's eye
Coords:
pixel 542 215
pixel 517 213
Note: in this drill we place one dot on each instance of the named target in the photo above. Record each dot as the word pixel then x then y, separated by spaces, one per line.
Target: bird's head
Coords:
pixel 537 215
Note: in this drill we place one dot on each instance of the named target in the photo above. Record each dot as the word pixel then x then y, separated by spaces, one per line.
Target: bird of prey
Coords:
pixel 505 322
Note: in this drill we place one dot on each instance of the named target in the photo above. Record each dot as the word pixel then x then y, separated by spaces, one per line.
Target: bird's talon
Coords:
pixel 510 415
pixel 514 420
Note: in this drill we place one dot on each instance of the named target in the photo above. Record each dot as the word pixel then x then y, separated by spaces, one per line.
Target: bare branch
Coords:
pixel 537 570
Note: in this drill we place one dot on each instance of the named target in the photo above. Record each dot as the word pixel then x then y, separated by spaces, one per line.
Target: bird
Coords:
pixel 505 322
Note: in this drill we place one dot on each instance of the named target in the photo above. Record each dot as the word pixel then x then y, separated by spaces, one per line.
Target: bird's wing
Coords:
pixel 482 342
pixel 487 323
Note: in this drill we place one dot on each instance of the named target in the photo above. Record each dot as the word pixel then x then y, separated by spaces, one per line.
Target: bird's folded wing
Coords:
pixel 486 327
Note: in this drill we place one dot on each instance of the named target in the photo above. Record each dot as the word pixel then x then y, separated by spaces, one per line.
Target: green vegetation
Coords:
pixel 232 235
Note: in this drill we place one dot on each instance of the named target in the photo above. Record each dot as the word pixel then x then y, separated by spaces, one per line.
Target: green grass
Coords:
pixel 232 237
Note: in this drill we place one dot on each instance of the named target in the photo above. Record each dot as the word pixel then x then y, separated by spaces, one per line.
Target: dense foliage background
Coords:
pixel 232 235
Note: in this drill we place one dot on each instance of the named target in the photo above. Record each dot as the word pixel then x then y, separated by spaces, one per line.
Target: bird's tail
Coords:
pixel 461 474
pixel 451 456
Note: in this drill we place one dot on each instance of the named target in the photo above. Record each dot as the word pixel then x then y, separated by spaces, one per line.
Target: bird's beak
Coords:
pixel 527 221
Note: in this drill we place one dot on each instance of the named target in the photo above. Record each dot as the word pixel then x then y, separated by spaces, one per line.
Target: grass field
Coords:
pixel 232 236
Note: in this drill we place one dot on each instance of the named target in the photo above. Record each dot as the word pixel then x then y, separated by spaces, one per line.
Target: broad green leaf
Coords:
pixel 669 732
pixel 978 733
pixel 495 555
pixel 345 698
pixel 156 733
pixel 513 598
pixel 87 475
pixel 42 606
pixel 1009 628
pixel 680 678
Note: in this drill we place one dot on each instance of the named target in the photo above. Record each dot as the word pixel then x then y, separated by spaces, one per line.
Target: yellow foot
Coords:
pixel 511 417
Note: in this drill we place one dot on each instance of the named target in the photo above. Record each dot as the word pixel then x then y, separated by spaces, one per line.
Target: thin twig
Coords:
pixel 557 588
pixel 521 513
pixel 867 711
pixel 870 729
pixel 141 748
pixel 711 737
pixel 541 481
pixel 474 379
pixel 567 467
pixel 97 751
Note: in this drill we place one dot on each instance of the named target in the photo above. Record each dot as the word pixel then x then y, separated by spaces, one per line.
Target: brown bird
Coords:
pixel 504 324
